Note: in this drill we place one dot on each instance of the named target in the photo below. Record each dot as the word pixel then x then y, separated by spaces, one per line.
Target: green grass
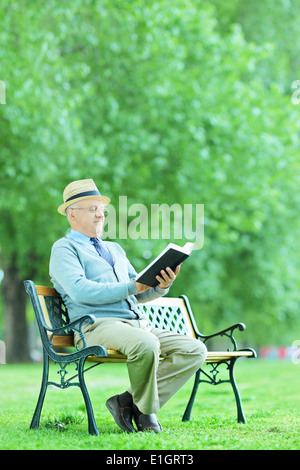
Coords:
pixel 270 392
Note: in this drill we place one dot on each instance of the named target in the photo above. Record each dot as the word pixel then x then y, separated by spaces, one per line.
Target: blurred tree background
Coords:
pixel 185 102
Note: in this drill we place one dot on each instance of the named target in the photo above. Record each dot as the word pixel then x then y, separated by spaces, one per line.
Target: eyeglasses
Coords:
pixel 92 209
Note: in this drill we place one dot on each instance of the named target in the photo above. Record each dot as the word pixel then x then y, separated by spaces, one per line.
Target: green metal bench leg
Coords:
pixel 188 410
pixel 240 413
pixel 89 409
pixel 35 422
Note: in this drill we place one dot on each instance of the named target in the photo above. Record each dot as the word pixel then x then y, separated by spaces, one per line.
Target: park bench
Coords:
pixel 174 314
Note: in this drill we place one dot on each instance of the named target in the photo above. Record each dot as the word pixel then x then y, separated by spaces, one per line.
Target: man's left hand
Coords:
pixel 167 277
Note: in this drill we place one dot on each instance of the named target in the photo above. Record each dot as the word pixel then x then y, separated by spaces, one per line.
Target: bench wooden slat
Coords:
pixel 212 356
pixel 49 291
pixel 219 356
pixel 116 356
pixel 62 341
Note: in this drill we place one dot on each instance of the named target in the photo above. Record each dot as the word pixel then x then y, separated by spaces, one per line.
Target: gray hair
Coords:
pixel 70 207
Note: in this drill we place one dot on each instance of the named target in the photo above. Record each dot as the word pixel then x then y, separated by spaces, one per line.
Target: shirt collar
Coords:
pixel 79 237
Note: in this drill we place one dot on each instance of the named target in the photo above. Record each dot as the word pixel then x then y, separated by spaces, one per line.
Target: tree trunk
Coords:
pixel 14 296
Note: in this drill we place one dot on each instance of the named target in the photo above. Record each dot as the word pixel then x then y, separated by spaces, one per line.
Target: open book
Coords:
pixel 171 256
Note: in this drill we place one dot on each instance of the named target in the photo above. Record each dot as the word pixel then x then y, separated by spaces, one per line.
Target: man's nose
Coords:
pixel 99 212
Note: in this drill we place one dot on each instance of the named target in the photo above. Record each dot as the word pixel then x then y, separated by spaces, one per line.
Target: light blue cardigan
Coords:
pixel 89 285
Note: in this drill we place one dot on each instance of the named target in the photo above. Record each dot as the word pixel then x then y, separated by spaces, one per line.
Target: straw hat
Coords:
pixel 79 190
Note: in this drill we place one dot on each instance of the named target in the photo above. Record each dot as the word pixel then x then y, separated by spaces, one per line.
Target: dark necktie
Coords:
pixel 103 252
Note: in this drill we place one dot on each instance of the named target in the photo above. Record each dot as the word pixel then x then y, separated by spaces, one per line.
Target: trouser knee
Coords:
pixel 147 347
pixel 202 352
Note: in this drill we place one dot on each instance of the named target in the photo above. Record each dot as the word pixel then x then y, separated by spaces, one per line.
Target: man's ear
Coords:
pixel 70 215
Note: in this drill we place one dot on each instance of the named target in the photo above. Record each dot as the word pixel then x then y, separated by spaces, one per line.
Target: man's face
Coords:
pixel 87 217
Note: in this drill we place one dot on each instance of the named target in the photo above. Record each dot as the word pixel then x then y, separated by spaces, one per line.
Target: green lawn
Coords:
pixel 270 392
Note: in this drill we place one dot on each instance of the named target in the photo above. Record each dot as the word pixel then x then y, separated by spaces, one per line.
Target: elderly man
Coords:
pixel 95 277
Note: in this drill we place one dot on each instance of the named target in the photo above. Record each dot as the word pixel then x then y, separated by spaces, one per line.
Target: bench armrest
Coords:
pixel 90 319
pixel 227 332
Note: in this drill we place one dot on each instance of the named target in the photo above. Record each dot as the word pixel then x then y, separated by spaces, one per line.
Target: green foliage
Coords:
pixel 184 102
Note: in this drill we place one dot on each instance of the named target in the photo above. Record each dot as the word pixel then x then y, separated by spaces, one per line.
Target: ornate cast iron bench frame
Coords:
pixel 170 313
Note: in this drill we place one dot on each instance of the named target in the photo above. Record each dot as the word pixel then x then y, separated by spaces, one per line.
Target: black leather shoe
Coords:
pixel 147 423
pixel 121 415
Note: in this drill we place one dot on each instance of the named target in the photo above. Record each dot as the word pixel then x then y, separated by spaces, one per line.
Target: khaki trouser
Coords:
pixel 152 381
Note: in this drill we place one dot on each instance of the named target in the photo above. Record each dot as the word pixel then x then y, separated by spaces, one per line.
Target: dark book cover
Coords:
pixel 171 256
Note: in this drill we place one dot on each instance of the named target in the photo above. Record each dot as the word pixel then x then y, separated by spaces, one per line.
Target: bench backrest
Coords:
pixel 168 313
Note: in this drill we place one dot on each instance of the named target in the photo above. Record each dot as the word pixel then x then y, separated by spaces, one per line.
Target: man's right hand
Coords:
pixel 141 287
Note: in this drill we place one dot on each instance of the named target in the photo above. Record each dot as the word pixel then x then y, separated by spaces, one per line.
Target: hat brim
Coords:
pixel 62 209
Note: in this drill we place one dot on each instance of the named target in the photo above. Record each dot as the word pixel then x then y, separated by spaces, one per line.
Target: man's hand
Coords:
pixel 141 287
pixel 165 280
pixel 167 277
